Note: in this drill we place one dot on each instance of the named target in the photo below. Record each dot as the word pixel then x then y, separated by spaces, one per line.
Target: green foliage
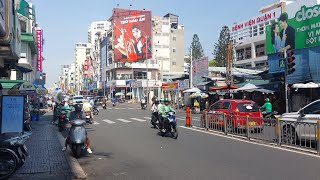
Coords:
pixel 220 48
pixel 213 63
pixel 197 51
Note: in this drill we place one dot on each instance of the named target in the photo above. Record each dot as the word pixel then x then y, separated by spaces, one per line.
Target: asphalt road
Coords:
pixel 126 147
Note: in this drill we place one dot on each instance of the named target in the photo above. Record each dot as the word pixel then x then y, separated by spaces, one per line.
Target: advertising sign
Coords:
pixel 12 114
pixel 199 69
pixel 86 67
pixel 170 86
pixel 132 35
pixel 297 32
pixel 39 49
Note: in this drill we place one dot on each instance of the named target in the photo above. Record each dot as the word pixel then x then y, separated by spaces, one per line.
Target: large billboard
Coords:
pixel 132 35
pixel 39 44
pixel 297 30
pixel 199 69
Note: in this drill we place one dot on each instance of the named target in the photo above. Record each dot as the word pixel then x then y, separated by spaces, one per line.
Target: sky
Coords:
pixel 66 22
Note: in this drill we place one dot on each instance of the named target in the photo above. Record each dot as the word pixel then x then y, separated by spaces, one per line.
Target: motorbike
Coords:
pixel 144 106
pixel 78 136
pixel 63 120
pixel 88 117
pixel 172 125
pixel 13 153
pixel 269 118
pixel 154 120
pixel 113 104
pixel 95 110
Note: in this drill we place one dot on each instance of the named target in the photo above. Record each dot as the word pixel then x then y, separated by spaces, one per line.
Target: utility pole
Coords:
pixel 191 69
pixel 228 60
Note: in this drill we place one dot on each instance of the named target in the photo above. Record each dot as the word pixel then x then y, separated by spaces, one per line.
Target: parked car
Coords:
pixel 78 99
pixel 235 111
pixel 301 125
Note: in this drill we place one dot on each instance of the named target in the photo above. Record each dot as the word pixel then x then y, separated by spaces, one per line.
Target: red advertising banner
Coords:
pixel 86 67
pixel 39 44
pixel 132 35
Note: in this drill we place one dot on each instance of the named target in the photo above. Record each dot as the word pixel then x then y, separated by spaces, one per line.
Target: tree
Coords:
pixel 197 51
pixel 220 48
pixel 213 63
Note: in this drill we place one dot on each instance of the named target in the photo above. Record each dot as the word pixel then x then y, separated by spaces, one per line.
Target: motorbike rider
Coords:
pixel 154 109
pixel 77 114
pixel 87 107
pixel 63 105
pixel 104 101
pixel 267 107
pixel 143 101
pixel 165 108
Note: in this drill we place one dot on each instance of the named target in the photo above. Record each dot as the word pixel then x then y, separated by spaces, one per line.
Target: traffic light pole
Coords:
pixel 286 81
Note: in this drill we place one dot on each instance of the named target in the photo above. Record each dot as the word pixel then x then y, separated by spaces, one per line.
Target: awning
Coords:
pixel 23 67
pixel 29 38
pixel 7 84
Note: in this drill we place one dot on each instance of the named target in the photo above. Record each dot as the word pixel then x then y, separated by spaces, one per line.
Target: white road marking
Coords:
pixel 95 123
pixel 140 120
pixel 182 119
pixel 123 120
pixel 250 142
pixel 147 118
pixel 108 121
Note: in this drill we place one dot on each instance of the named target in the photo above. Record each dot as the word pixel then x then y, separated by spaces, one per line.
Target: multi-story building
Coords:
pixel 96 32
pixel 168 47
pixel 167 60
pixel 82 51
pixel 249 38
pixel 71 77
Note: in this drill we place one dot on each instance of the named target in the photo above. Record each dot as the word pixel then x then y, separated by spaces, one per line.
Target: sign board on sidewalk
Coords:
pixel 12 114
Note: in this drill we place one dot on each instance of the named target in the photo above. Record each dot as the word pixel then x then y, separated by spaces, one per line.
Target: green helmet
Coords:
pixel 267 100
pixel 165 99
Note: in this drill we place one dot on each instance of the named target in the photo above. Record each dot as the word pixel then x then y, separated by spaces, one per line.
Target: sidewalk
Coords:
pixel 46 160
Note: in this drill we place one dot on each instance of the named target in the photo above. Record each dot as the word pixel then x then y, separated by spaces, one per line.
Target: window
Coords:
pixel 174 38
pixel 174 50
pixel 215 106
pixel 174 63
pixel 248 107
pixel 248 53
pixel 226 105
pixel 240 54
pixel 260 50
pixel 312 109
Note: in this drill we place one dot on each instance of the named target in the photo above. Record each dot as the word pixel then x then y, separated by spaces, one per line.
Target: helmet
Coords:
pixel 156 101
pixel 267 100
pixel 166 100
pixel 77 107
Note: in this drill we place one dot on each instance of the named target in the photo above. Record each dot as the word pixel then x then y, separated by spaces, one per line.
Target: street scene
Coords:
pixel 159 90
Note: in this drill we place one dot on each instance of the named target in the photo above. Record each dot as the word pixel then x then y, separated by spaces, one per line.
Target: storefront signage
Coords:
pixel 12 114
pixel 39 49
pixel 299 31
pixel 170 86
pixel 259 19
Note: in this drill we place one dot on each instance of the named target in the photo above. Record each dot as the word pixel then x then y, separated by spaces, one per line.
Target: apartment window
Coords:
pixel 174 38
pixel 140 75
pixel 240 54
pixel 261 64
pixel 260 50
pixel 248 53
pixel 174 63
pixel 174 50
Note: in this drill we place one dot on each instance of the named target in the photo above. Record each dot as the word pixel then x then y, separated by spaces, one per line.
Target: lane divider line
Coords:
pixel 140 120
pixel 123 120
pixel 108 121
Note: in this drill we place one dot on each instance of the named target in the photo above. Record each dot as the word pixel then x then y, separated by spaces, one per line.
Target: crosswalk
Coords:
pixel 129 120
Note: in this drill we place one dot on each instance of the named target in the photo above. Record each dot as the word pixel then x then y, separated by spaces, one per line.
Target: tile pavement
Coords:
pixel 46 160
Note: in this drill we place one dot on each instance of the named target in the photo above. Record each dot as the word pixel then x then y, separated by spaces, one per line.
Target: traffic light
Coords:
pixel 290 60
pixel 282 60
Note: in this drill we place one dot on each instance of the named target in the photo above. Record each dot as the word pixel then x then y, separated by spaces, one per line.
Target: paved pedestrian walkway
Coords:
pixel 46 160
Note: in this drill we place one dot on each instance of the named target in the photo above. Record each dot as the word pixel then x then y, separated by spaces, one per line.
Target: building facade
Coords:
pixel 82 51
pixel 249 38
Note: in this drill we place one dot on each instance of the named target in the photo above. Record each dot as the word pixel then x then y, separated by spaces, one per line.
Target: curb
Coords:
pixel 76 169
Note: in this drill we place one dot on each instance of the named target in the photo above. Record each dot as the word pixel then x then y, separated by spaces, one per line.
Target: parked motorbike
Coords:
pixel 88 117
pixel 172 125
pixel 95 110
pixel 63 120
pixel 154 120
pixel 13 153
pixel 78 136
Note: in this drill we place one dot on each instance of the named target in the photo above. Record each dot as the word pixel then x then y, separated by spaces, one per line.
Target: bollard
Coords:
pixel 225 123
pixel 247 128
pixel 318 137
pixel 278 132
pixel 188 120
pixel 207 121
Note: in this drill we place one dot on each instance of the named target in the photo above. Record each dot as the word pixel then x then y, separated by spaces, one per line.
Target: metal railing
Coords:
pixel 304 135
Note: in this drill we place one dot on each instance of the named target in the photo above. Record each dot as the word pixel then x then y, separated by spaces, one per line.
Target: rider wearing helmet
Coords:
pixel 267 107
pixel 165 108
pixel 77 114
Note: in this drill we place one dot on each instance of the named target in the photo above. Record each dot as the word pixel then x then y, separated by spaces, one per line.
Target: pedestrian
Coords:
pixel 41 101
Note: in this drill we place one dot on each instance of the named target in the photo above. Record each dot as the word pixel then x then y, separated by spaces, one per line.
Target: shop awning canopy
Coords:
pixel 306 86
pixel 248 86
pixel 23 67
pixel 8 84
pixel 192 90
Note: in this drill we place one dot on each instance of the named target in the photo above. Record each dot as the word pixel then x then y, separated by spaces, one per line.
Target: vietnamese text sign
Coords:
pixel 199 69
pixel 39 49
pixel 12 114
pixel 300 31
